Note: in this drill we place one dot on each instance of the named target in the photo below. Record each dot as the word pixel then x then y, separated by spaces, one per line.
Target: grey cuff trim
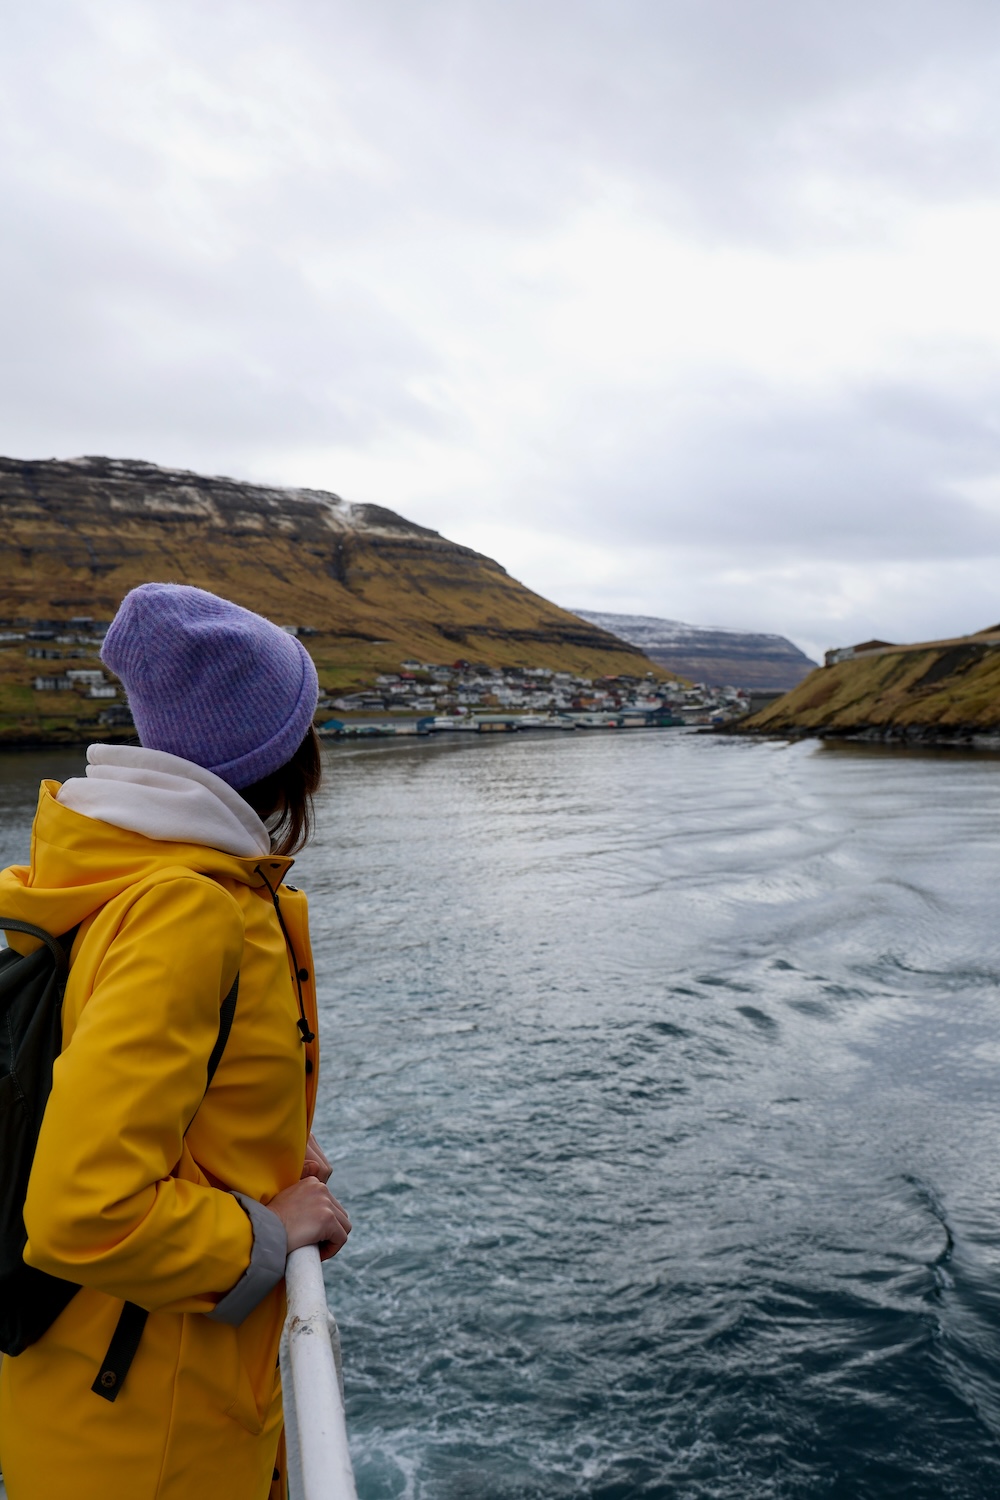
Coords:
pixel 266 1268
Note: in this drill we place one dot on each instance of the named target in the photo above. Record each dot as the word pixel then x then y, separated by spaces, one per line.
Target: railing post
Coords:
pixel 319 1461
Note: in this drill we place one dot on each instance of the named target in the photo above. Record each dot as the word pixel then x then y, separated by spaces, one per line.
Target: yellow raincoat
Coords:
pixel 121 1200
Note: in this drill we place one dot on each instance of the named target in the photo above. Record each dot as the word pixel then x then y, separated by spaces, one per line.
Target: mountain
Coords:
pixel 365 587
pixel 936 692
pixel 715 656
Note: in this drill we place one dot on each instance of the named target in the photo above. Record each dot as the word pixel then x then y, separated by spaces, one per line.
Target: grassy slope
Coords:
pixel 395 597
pixel 950 687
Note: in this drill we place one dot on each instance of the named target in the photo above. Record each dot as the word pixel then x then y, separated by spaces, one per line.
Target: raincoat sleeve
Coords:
pixel 102 1208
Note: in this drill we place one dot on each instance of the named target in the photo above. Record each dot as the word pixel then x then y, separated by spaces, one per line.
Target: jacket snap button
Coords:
pixel 303 975
pixel 108 1379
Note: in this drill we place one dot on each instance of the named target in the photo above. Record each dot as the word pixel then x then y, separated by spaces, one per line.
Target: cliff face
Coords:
pixel 371 588
pixel 719 658
pixel 936 692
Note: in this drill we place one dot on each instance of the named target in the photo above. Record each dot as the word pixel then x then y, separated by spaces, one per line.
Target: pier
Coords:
pixel 346 729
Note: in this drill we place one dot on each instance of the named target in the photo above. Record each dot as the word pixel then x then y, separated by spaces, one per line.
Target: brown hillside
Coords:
pixel 372 588
pixel 936 691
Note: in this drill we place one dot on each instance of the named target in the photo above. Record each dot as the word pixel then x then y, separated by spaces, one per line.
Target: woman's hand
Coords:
pixel 312 1216
pixel 316 1164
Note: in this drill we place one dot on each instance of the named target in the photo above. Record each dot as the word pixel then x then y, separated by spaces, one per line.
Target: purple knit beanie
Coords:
pixel 210 681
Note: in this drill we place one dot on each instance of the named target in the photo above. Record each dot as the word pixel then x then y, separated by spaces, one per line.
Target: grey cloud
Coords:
pixel 507 112
pixel 875 472
pixel 146 342
pixel 209 212
pixel 719 112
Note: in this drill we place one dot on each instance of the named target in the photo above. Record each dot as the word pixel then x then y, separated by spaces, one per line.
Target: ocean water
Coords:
pixel 660 1078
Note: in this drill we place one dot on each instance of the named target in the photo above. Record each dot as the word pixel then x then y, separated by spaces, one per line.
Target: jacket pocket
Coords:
pixel 256 1343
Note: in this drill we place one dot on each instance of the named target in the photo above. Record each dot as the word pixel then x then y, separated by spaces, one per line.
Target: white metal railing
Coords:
pixel 319 1462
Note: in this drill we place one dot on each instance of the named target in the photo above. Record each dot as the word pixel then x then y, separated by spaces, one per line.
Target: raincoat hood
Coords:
pixel 164 797
pixel 80 860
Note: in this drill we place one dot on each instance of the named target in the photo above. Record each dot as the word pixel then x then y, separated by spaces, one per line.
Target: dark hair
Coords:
pixel 283 800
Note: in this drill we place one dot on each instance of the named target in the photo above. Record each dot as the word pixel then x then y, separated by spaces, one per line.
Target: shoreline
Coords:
pixel 897 736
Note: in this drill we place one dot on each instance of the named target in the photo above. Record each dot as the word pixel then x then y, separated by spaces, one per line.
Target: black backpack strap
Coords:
pixel 121 1351
pixel 227 1011
pixel 132 1319
pixel 58 947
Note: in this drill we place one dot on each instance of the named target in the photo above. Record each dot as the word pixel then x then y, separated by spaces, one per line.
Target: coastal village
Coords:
pixel 429 697
pixel 420 698
pixel 59 692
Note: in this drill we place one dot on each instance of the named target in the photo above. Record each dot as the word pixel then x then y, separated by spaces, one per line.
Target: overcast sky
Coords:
pixel 679 307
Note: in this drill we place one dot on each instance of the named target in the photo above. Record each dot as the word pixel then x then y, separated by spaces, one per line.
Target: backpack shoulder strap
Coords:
pixel 58 947
pixel 227 1011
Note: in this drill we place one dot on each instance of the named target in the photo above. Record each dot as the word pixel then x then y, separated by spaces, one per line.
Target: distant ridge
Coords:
pixel 714 655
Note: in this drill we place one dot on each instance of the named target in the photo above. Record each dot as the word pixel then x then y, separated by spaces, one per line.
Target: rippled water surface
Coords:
pixel 660 1075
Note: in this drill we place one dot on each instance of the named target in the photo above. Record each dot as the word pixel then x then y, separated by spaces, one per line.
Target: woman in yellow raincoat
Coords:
pixel 170 858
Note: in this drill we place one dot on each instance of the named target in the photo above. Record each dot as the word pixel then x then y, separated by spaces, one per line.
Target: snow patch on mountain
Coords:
pixel 717 655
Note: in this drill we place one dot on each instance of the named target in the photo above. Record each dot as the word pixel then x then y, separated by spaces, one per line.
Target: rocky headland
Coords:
pixel 935 692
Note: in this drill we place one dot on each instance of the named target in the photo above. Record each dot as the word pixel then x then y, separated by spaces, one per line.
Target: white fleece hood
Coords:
pixel 164 797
